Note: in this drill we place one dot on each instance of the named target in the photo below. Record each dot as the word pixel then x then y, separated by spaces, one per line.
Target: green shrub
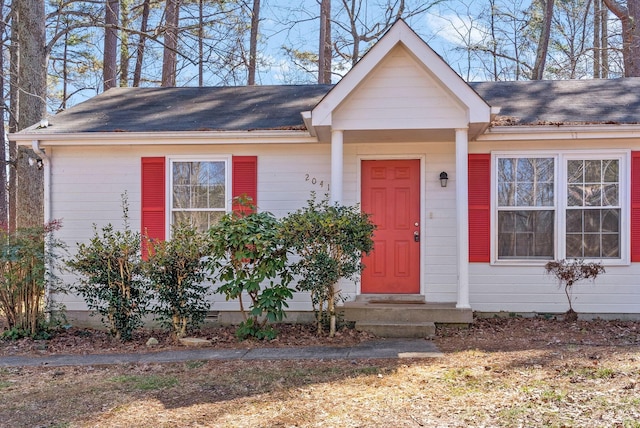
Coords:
pixel 176 270
pixel 111 281
pixel 249 257
pixel 330 240
pixel 29 258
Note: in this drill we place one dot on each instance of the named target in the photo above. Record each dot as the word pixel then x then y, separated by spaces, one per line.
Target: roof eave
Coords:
pixel 560 132
pixel 165 138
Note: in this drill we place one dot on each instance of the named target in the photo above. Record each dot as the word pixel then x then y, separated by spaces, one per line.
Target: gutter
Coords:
pixel 560 132
pixel 165 138
pixel 46 165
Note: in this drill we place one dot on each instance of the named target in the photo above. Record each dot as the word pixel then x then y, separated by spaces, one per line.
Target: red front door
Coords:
pixel 391 194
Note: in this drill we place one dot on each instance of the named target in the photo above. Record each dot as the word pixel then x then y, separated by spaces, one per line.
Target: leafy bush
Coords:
pixel 28 260
pixel 570 272
pixel 176 270
pixel 330 240
pixel 249 257
pixel 111 280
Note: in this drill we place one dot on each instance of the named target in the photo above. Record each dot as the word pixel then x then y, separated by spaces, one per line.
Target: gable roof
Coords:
pixel 239 108
pixel 546 102
pixel 279 107
pixel 432 64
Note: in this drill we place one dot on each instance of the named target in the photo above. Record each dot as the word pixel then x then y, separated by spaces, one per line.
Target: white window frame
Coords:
pixel 560 204
pixel 196 158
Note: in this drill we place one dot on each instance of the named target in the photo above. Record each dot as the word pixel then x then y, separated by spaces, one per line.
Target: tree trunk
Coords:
pixel 253 42
pixel 543 43
pixel 124 44
pixel 169 58
pixel 4 202
pixel 597 48
pixel 14 59
pixel 110 43
pixel 331 307
pixel 201 43
pixel 144 20
pixel 604 41
pixel 32 93
pixel 630 18
pixel 324 50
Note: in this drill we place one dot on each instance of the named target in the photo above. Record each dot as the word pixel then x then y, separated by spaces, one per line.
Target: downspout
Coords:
pixel 46 166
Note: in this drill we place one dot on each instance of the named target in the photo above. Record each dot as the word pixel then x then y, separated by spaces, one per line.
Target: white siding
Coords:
pixel 399 94
pixel 87 184
pixel 527 288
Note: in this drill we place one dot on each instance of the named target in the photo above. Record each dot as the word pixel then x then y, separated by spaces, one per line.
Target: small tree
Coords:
pixel 570 272
pixel 176 272
pixel 28 260
pixel 250 258
pixel 111 280
pixel 330 240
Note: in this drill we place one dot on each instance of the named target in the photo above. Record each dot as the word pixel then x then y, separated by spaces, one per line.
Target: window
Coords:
pixel 198 192
pixel 526 208
pixel 562 205
pixel 593 208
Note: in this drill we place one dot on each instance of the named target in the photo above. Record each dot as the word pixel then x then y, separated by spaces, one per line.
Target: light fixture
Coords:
pixel 443 179
pixel 37 162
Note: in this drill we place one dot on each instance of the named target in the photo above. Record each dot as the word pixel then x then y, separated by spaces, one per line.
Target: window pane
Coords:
pixel 593 183
pixel 610 168
pixel 591 221
pixel 525 182
pixel 575 195
pixel 611 221
pixel 575 171
pixel 610 196
pixel 596 236
pixel 202 220
pixel 506 194
pixel 181 196
pixel 574 221
pixel 592 171
pixel 611 246
pixel 525 234
pixel 200 188
pixel 593 195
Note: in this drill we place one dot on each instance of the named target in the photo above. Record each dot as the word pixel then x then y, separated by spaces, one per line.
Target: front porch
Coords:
pixel 402 315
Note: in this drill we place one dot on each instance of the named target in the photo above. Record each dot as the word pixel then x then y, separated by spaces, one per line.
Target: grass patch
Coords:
pixel 146 383
pixel 191 365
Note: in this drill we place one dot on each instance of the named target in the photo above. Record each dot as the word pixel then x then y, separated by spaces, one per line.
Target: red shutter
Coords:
pixel 153 201
pixel 635 206
pixel 479 207
pixel 244 179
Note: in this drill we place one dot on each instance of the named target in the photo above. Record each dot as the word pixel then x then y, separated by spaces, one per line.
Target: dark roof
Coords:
pixel 564 101
pixel 238 108
pixel 246 108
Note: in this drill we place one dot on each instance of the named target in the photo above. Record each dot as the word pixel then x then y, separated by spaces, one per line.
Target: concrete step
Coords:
pixel 406 312
pixel 397 329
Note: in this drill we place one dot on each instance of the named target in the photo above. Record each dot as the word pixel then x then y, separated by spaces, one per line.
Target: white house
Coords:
pixel 536 171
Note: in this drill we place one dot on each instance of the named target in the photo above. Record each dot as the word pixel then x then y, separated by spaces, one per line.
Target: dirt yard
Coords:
pixel 499 373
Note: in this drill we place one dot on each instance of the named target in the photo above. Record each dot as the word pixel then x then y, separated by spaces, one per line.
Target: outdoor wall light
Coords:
pixel 443 179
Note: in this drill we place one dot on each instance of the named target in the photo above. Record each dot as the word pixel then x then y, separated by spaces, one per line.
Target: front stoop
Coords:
pixel 402 315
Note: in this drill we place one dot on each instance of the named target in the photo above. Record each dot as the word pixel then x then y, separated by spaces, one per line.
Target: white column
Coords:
pixel 337 160
pixel 462 210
